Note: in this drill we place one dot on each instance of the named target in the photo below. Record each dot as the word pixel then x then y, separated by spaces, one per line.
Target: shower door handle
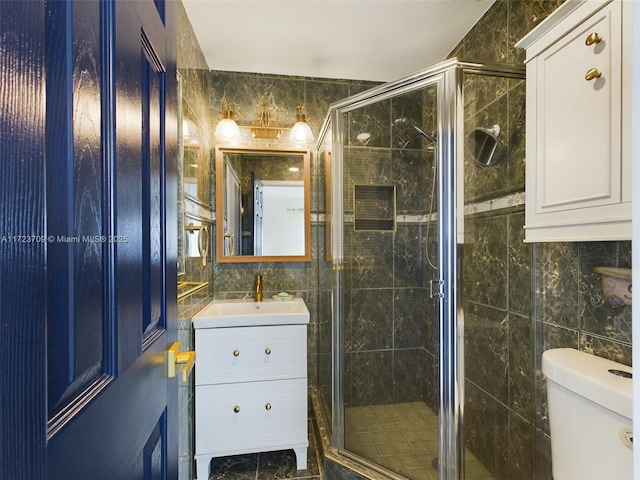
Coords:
pixel 436 288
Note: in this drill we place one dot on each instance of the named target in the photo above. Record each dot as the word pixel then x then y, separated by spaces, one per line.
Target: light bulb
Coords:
pixel 227 130
pixel 301 133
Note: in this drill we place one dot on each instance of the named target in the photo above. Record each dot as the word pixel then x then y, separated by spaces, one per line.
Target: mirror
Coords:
pixel 195 176
pixel 263 204
pixel 484 147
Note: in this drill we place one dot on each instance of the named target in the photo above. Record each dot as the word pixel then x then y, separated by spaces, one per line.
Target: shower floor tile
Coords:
pixel 402 437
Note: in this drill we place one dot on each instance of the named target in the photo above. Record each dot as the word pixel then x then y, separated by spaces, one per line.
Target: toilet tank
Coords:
pixel 590 415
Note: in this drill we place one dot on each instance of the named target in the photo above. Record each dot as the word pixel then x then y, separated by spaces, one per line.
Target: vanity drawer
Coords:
pixel 265 415
pixel 244 354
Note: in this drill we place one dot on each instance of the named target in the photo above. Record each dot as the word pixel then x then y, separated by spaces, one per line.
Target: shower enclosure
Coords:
pixel 424 361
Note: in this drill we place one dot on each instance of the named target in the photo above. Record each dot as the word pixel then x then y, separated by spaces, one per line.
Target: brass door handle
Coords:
pixel 174 357
pixel 267 406
pixel 236 353
pixel 236 409
pixel 592 74
pixel 267 351
pixel 593 39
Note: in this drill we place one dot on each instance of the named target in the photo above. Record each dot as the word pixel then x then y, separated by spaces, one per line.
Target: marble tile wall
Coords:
pixel 522 299
pixel 498 343
pixel 571 311
pixel 203 91
pixel 310 280
pixel 390 332
pixel 390 328
pixel 497 285
pixel 491 101
pixel 194 75
pixel 499 347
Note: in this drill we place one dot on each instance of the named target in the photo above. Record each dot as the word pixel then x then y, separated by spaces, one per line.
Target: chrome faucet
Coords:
pixel 257 288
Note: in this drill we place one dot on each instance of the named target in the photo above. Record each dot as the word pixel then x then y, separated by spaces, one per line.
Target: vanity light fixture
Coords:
pixel 300 132
pixel 265 127
pixel 227 129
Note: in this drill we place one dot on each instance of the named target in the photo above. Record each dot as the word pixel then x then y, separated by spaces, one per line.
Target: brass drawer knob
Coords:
pixel 236 409
pixel 593 39
pixel 592 74
pixel 236 353
pixel 267 351
pixel 267 406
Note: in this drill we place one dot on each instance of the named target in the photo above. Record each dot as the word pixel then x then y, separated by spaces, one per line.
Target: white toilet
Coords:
pixel 590 416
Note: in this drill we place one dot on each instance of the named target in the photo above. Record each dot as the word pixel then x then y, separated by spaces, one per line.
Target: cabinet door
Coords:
pixel 579 120
pixel 251 417
pixel 244 354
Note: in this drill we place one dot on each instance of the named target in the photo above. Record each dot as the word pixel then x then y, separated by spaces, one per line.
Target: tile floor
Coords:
pixel 269 465
pixel 402 437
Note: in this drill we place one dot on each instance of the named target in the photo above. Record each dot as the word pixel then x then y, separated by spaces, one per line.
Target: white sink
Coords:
pixel 247 313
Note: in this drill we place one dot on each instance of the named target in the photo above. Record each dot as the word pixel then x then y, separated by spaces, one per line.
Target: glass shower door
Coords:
pixel 496 280
pixel 425 249
pixel 389 229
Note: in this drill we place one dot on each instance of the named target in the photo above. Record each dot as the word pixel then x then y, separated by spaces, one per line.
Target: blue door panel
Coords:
pixel 106 440
pixel 22 262
pixel 152 94
pixel 88 182
pixel 75 190
pixel 154 452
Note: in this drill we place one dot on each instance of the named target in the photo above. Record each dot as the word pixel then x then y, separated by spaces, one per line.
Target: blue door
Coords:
pixel 87 239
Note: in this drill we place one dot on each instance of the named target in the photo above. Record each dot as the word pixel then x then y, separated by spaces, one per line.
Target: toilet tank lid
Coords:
pixel 589 376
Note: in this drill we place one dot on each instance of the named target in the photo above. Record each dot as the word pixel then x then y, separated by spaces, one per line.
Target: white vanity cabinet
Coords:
pixel 578 174
pixel 250 389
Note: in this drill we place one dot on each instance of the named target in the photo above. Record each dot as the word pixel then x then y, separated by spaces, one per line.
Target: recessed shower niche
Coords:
pixel 374 207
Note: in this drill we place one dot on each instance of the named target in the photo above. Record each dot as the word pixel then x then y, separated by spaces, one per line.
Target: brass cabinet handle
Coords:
pixel 593 39
pixel 592 74
pixel 236 409
pixel 267 351
pixel 236 353
pixel 267 406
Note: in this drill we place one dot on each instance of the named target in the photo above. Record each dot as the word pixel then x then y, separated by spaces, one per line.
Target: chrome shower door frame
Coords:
pixel 448 77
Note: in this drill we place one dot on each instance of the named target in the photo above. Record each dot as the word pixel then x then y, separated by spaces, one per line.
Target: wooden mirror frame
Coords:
pixel 220 185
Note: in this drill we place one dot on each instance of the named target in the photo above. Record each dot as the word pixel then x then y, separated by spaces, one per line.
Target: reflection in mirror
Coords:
pixel 181 260
pixel 196 240
pixel 328 256
pixel 262 205
pixel 195 175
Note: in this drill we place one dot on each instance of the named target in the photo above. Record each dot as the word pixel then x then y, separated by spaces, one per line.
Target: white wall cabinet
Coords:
pixel 251 392
pixel 578 176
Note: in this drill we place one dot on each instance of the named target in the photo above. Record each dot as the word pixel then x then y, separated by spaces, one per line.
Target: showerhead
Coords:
pixel 405 123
